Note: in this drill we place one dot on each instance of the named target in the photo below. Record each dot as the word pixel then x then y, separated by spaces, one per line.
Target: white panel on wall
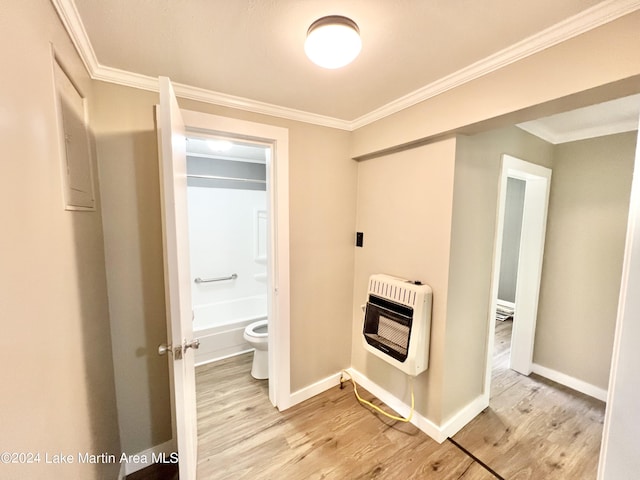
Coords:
pixel 74 143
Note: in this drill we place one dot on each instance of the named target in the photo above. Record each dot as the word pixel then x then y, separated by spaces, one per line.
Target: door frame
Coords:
pixel 530 257
pixel 277 140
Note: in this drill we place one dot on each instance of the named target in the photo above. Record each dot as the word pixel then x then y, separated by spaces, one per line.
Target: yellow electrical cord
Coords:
pixel 375 407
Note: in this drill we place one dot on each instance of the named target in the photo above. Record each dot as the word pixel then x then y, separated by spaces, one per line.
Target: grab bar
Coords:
pixel 217 279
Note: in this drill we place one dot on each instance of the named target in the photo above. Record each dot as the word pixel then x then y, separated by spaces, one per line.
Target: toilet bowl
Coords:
pixel 256 335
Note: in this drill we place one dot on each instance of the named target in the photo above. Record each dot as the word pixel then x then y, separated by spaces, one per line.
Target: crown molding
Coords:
pixel 72 22
pixel 145 82
pixel 593 17
pixel 589 19
pixel 540 130
pixel 255 106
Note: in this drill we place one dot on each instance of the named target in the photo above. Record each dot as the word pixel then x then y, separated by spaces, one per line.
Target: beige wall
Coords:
pixel 322 214
pixel 55 348
pixel 587 221
pixel 603 55
pixel 477 174
pixel 429 213
pixel 123 120
pixel 322 203
pixel 404 209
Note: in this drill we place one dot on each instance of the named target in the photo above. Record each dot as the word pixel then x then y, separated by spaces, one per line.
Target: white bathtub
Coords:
pixel 220 327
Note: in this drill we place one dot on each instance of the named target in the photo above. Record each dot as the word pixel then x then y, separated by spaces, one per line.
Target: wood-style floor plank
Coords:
pixel 534 428
pixel 331 436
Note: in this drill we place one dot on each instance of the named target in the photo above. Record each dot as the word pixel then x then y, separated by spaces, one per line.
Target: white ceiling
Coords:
pixel 249 53
pixel 616 116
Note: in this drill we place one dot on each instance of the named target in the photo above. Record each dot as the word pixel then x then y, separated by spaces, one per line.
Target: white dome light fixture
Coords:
pixel 333 41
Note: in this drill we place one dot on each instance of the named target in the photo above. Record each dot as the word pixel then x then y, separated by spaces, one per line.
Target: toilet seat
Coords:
pixel 253 329
pixel 256 335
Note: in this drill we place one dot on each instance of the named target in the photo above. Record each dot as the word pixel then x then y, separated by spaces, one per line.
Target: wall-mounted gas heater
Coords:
pixel 397 322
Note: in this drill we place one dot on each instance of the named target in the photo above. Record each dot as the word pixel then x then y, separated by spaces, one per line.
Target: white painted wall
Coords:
pixel 226 237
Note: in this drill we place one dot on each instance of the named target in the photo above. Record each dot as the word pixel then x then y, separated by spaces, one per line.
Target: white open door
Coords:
pixel 534 221
pixel 532 238
pixel 173 184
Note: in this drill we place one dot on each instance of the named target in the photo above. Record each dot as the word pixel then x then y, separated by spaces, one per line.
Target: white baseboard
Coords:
pixel 144 459
pixel 463 416
pixel 571 382
pixel 420 421
pixel 314 389
pixel 437 432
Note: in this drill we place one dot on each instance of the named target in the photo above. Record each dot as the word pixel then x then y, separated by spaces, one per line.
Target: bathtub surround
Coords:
pixel 220 326
pixel 227 238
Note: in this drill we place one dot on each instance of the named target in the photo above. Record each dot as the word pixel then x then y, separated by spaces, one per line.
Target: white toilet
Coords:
pixel 256 334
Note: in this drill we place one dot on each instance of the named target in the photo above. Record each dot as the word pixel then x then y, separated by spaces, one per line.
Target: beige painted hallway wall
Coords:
pixel 128 170
pixel 429 213
pixel 403 245
pixel 322 214
pixel 404 211
pixel 55 347
pixel 475 203
pixel 587 223
pixel 322 211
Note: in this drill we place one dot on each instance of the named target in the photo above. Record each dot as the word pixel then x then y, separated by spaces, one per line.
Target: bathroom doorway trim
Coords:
pixel 277 140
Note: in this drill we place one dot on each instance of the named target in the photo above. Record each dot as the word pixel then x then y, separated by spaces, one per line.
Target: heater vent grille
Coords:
pixel 397 293
pixel 397 322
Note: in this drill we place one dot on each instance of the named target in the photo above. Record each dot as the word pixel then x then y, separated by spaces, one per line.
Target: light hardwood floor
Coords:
pixel 241 436
pixel 536 431
pixel 534 428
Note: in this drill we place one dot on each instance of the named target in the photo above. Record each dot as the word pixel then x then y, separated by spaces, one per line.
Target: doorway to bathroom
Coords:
pixel 228 229
pixel 174 127
pixel 246 277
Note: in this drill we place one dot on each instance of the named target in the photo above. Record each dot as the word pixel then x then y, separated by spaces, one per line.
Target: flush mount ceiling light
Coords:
pixel 333 42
